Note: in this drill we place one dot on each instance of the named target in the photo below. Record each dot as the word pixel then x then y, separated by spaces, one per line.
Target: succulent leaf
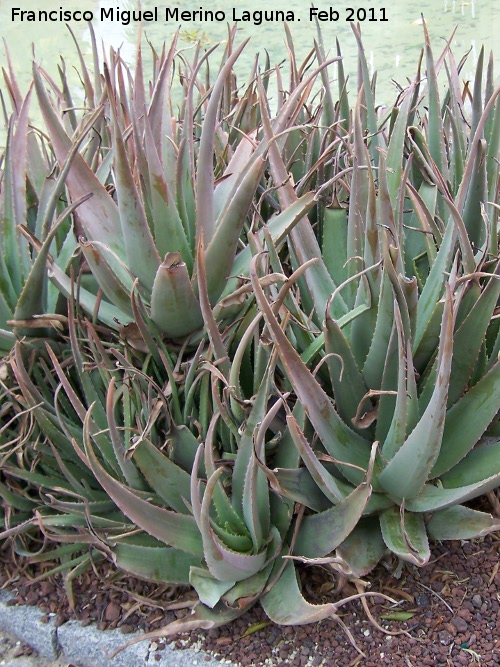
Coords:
pixel 405 535
pixel 421 448
pixel 460 523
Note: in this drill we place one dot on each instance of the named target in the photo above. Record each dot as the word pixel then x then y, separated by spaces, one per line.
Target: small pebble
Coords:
pixel 126 628
pixel 422 600
pixel 445 638
pixel 59 620
pixel 465 614
pixel 460 624
pixel 113 612
pixel 477 601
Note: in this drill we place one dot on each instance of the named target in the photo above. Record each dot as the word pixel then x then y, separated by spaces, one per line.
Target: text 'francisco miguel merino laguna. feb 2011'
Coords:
pixel 201 15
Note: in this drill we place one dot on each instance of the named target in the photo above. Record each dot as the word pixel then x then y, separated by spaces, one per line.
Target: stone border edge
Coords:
pixel 86 646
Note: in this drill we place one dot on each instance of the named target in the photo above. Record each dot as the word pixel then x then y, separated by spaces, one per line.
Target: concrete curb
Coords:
pixel 87 646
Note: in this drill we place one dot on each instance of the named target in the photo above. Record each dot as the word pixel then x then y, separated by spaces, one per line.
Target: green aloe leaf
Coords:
pixel 176 530
pixel 101 218
pixel 236 168
pixel 13 247
pixel 477 466
pixel 298 485
pixel 434 285
pixel 492 135
pixel 477 195
pixel 467 420
pixel 435 125
pixel 229 523
pixel 456 117
pixel 470 337
pixel 157 111
pixel 169 233
pixel 421 448
pixel 473 148
pixel 343 107
pixel 319 534
pixel 422 230
pixel 437 497
pixel 404 412
pixel 183 446
pixel 334 242
pixel 205 173
pixel 363 548
pixel 405 535
pixel 154 563
pixel 90 303
pixel 477 474
pixel 334 489
pixel 211 326
pixel 340 441
pixel 33 298
pixel 369 97
pixel 328 116
pixel 111 274
pixel 16 500
pixel 395 150
pixel 220 252
pixel 359 199
pixel 141 256
pixel 10 275
pixel 209 589
pixel 461 523
pixel 279 226
pixel 168 480
pixel 174 306
pixel 285 605
pixel 374 364
pixel 348 385
pixel 255 499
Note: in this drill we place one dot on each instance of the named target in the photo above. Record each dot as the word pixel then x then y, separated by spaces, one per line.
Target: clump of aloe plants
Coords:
pixel 406 348
pixel 281 341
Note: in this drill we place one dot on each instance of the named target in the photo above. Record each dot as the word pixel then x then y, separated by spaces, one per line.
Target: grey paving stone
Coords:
pixel 86 646
pixel 89 647
pixel 25 624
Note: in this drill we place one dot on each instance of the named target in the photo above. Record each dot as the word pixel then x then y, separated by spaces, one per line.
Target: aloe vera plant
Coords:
pixel 30 204
pixel 167 194
pixel 413 364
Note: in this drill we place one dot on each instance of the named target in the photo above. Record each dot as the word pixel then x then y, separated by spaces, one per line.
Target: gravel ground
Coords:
pixel 452 609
